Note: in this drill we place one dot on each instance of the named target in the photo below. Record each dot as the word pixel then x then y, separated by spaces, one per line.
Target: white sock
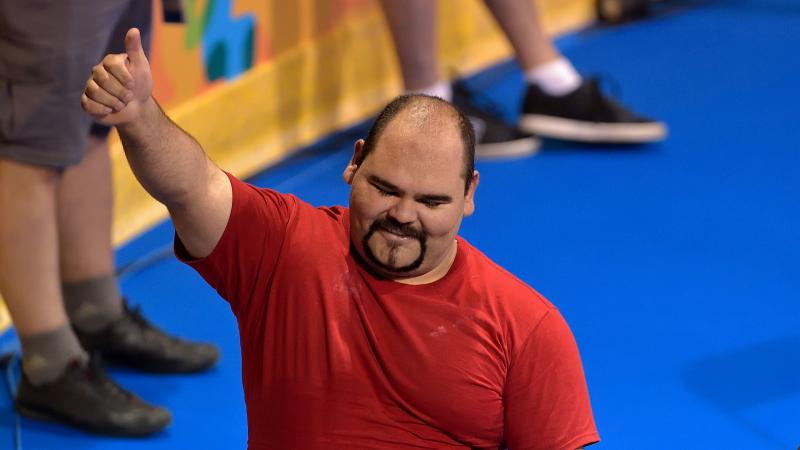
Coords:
pixel 557 77
pixel 441 89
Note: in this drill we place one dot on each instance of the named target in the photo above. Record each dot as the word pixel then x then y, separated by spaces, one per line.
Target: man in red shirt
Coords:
pixel 373 326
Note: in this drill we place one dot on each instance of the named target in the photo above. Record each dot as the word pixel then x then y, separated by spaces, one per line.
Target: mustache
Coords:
pixel 393 226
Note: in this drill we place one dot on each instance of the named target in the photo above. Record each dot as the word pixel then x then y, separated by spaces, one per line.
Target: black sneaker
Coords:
pixel 586 115
pixel 134 342
pixel 85 397
pixel 494 138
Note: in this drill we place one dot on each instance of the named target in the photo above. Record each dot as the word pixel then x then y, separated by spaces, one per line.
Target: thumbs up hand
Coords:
pixel 120 85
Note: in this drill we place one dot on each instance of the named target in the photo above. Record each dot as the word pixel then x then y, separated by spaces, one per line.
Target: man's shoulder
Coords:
pixel 337 213
pixel 319 224
pixel 290 201
pixel 500 285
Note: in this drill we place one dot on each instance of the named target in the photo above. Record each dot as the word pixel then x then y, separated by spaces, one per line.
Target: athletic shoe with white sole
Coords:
pixel 586 115
pixel 494 138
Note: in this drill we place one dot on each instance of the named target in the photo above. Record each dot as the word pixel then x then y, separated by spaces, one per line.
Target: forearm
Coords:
pixel 168 162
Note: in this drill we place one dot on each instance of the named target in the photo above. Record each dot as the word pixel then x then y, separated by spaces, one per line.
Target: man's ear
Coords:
pixel 469 201
pixel 350 170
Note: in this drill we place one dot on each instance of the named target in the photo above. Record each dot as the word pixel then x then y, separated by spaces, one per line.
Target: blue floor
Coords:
pixel 676 264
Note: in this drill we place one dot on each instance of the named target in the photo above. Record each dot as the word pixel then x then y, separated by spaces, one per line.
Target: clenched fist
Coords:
pixel 119 85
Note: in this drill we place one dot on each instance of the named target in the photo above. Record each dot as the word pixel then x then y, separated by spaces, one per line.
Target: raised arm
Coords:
pixel 167 161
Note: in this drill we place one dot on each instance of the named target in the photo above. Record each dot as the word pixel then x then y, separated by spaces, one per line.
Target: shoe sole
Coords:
pixel 47 416
pixel 509 149
pixel 576 130
pixel 144 364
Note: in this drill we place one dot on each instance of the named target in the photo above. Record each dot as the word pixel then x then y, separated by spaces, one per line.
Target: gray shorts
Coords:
pixel 47 50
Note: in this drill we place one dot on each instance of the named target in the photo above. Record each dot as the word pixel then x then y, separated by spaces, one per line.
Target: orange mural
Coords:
pixel 222 39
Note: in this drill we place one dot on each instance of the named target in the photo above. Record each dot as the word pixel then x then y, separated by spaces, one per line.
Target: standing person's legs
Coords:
pixel 42 131
pixel 413 27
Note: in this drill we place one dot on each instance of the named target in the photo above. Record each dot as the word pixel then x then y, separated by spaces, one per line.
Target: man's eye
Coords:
pixel 431 204
pixel 384 192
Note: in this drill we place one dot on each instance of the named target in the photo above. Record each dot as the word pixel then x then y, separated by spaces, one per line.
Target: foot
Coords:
pixel 85 397
pixel 586 115
pixel 134 342
pixel 494 138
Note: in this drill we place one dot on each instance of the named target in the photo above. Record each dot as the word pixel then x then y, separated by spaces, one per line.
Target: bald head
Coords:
pixel 423 116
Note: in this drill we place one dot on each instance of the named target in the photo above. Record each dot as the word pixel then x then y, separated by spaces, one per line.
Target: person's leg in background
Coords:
pixel 102 319
pixel 412 24
pixel 558 102
pixel 413 27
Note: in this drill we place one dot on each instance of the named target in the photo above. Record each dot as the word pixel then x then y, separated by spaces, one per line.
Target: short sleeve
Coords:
pixel 247 252
pixel 546 400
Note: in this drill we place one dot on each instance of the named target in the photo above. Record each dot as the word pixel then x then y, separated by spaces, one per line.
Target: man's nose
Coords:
pixel 404 210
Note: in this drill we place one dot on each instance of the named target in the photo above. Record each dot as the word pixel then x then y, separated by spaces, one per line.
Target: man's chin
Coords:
pixel 409 267
pixel 398 271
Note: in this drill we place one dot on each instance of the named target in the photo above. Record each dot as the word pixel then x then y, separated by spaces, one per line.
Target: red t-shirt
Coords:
pixel 335 358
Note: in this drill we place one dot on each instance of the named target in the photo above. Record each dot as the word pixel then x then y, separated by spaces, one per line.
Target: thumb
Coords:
pixel 133 47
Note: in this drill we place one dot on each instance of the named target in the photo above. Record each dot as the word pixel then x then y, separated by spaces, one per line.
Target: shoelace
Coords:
pixel 135 315
pixel 149 332
pixel 96 374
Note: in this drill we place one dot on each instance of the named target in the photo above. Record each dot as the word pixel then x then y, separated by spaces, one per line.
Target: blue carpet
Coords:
pixel 676 264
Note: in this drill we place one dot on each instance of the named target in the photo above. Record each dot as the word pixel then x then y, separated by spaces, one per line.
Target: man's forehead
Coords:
pixel 426 140
pixel 425 115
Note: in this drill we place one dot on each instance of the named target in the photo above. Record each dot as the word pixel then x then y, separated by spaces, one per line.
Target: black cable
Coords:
pixel 145 261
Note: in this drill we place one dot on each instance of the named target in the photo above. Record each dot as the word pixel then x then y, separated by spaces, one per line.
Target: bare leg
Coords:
pixel 89 285
pixel 413 27
pixel 84 216
pixel 520 22
pixel 29 278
